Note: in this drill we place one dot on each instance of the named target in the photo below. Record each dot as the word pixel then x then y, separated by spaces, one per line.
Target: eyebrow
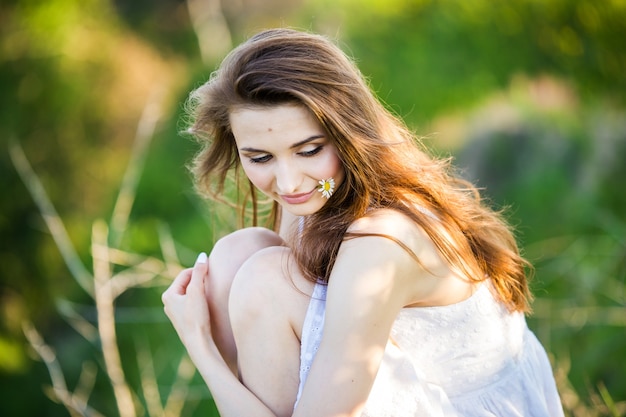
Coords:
pixel 295 145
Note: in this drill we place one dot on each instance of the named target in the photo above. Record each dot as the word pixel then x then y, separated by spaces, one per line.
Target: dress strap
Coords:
pixel 312 330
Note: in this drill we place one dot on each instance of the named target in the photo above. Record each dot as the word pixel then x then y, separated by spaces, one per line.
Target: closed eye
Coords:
pixel 311 152
pixel 261 159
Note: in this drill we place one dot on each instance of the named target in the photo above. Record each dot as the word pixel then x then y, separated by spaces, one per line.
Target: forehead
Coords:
pixel 287 123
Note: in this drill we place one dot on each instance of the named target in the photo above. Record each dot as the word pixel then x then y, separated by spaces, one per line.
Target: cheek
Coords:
pixel 258 176
pixel 331 167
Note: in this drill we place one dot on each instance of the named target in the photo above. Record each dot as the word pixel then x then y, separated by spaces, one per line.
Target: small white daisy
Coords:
pixel 327 187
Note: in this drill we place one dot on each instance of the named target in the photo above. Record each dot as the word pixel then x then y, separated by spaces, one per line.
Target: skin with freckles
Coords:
pixel 285 153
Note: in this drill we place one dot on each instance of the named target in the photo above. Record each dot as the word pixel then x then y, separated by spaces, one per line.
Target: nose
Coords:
pixel 288 177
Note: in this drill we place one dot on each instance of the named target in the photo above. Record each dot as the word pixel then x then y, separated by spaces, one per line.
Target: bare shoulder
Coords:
pixel 421 269
pixel 395 226
pixel 373 278
pixel 388 222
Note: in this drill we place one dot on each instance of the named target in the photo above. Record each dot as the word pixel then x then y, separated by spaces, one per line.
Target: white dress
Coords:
pixel 470 359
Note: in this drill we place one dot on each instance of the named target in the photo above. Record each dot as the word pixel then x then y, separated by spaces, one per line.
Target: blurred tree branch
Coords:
pixel 76 403
pixel 105 298
pixel 143 137
pixel 105 286
pixel 51 217
pixel 211 28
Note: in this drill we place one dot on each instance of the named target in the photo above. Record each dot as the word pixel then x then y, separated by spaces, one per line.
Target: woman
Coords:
pixel 386 287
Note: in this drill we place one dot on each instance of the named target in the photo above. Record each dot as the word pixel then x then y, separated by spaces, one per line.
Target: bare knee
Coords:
pixel 254 279
pixel 267 305
pixel 241 244
pixel 268 284
pixel 231 251
pixel 227 256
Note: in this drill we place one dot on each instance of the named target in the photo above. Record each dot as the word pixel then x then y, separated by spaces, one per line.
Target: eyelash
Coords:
pixel 311 152
pixel 306 154
pixel 261 159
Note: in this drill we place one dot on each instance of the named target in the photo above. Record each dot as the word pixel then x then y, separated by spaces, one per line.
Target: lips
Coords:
pixel 297 198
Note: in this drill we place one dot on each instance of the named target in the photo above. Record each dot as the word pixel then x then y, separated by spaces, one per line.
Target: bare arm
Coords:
pixel 186 307
pixel 372 280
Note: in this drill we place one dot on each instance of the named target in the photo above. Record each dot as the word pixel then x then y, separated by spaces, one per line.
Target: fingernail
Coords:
pixel 201 258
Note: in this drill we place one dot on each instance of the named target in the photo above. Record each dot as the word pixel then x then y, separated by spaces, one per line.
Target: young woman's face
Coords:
pixel 285 152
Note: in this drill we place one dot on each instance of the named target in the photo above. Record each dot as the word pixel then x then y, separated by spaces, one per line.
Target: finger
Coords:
pixel 198 273
pixel 179 285
pixel 202 258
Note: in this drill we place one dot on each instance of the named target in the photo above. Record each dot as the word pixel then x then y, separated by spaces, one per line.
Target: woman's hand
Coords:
pixel 186 305
pixel 187 308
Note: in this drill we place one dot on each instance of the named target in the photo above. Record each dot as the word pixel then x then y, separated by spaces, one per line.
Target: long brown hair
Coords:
pixel 385 165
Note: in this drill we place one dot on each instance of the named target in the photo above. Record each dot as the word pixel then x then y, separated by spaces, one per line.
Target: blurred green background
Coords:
pixel 528 95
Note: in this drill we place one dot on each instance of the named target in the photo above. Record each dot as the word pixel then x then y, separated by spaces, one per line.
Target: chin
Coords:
pixel 302 209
